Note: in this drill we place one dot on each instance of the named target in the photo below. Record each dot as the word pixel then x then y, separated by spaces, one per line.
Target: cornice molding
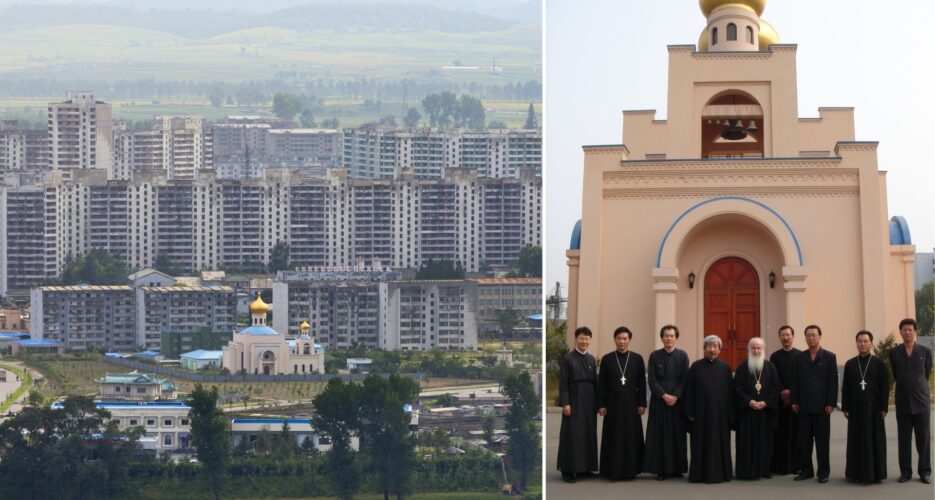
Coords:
pixel 702 193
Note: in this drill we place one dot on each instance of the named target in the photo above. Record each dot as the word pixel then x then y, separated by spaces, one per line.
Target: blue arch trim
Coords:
pixel 722 198
pixel 899 231
pixel 576 236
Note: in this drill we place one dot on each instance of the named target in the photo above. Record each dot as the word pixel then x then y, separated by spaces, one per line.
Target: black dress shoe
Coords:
pixel 822 480
pixel 904 477
pixel 803 476
pixel 568 478
pixel 927 479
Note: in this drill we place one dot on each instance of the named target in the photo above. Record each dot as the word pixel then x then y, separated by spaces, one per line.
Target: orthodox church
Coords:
pixel 735 216
pixel 258 349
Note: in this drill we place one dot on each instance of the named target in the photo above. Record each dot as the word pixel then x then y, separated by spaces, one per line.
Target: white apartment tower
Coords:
pixel 81 132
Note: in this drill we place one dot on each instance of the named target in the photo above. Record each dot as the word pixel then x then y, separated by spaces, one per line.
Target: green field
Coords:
pixel 106 52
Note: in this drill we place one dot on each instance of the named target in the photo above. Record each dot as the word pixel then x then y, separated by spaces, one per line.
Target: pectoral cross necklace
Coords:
pixel 758 386
pixel 863 373
pixel 623 370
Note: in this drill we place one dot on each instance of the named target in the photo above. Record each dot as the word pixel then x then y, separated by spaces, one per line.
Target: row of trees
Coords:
pixel 257 93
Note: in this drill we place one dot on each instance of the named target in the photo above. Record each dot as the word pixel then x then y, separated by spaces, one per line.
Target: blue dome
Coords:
pixel 576 236
pixel 259 330
pixel 899 231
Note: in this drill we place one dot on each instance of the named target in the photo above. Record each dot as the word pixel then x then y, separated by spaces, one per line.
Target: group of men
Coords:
pixel 780 408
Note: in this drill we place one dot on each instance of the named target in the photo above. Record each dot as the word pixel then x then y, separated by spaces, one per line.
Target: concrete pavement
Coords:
pixel 779 487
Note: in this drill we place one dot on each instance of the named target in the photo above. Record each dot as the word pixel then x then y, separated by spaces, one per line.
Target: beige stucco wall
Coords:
pixel 813 210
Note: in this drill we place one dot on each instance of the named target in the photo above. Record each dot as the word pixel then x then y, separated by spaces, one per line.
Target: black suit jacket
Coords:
pixel 815 384
pixel 911 375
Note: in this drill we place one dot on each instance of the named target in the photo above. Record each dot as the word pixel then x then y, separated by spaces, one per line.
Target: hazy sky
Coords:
pixel 605 56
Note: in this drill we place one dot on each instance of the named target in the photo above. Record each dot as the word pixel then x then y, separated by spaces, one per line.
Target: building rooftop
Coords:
pixel 506 281
pixel 38 343
pixel 133 404
pixel 202 354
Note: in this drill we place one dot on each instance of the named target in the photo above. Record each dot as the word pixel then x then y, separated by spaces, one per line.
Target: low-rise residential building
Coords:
pixel 135 386
pixel 167 424
pixel 124 318
pixel 522 295
pixel 36 346
pixel 300 429
pixel 362 364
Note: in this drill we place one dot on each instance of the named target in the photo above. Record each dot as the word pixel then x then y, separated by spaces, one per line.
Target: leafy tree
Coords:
pixel 925 308
pixel 285 443
pixel 882 351
pixel 507 319
pixel 556 344
pixel 531 121
pixel 388 120
pixel 523 449
pixel 210 435
pixel 446 400
pixel 488 422
pixel 384 431
pixel 279 257
pixel 529 262
pixel 263 445
pixel 35 397
pixel 97 267
pixel 412 117
pixel 286 105
pixel 440 270
pixel 164 264
pixel 307 119
pixel 336 416
pixel 330 123
pixel 437 438
pixel 470 113
pixel 496 124
pixel 47 453
pixel 216 95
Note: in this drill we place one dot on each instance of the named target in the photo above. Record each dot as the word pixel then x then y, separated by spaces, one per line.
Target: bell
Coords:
pixel 739 125
pixel 709 122
pixel 752 127
pixel 733 132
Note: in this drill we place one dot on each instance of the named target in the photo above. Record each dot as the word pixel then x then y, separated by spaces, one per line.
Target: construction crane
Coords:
pixel 555 302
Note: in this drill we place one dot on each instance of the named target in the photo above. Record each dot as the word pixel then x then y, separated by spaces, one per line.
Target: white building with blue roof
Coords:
pixel 200 359
pixel 259 349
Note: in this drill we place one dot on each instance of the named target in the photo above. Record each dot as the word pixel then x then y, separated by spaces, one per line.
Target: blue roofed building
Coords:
pixel 200 359
pixel 38 346
pixel 167 424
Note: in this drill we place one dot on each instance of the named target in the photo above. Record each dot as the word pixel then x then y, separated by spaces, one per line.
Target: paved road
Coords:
pixel 779 487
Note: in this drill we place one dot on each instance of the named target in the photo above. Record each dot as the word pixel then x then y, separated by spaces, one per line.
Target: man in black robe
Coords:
pixel 912 367
pixel 577 443
pixel 814 396
pixel 666 449
pixel 709 406
pixel 756 390
pixel 785 439
pixel 865 392
pixel 621 400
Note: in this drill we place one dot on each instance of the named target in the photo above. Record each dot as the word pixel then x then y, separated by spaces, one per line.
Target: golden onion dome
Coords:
pixel 259 307
pixel 304 326
pixel 703 41
pixel 767 36
pixel 708 6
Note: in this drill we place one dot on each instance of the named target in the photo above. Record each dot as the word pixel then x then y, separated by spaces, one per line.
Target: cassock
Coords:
pixel 754 440
pixel 786 438
pixel 865 394
pixel 709 403
pixel 621 388
pixel 666 450
pixel 577 444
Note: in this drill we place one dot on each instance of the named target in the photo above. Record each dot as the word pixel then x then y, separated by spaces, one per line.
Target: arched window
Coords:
pixel 731 32
pixel 750 35
pixel 713 36
pixel 307 349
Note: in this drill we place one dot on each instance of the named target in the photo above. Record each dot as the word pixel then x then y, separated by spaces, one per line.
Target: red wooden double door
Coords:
pixel 732 306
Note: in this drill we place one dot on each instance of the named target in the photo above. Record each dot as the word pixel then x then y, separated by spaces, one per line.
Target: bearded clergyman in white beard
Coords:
pixel 757 387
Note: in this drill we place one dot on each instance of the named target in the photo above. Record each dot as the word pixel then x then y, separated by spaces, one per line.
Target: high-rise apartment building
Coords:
pixel 23 149
pixel 80 132
pixel 385 152
pixel 177 146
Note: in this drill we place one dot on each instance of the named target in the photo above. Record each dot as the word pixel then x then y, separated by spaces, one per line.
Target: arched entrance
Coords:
pixel 732 306
pixel 269 363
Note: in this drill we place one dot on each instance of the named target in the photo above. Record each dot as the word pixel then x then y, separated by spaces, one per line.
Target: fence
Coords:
pixel 196 377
